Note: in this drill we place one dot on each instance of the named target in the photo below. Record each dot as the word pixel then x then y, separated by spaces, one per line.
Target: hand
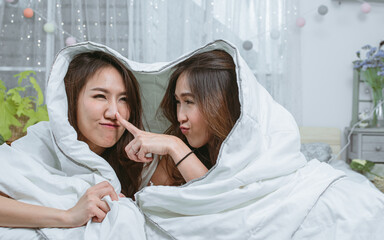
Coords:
pixel 90 205
pixel 145 142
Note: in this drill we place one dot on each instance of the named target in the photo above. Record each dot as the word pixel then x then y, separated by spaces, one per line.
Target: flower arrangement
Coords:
pixel 18 110
pixel 372 69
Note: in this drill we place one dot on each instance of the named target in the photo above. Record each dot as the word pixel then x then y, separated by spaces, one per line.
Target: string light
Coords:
pixel 274 33
pixel 301 22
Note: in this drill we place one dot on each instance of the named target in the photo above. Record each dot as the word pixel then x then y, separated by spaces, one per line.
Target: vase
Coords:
pixel 378 105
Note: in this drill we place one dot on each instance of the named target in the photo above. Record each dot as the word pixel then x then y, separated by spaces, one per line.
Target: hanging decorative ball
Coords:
pixel 365 7
pixel 322 10
pixel 300 22
pixel 275 34
pixel 49 27
pixel 28 12
pixel 247 45
pixel 70 41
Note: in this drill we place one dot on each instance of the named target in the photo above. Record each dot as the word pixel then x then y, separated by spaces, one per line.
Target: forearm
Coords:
pixel 18 214
pixel 191 167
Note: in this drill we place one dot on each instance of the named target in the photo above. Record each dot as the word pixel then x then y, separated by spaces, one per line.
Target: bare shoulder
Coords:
pixel 161 176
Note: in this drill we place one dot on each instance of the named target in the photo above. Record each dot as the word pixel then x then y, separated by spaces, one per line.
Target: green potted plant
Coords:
pixel 18 110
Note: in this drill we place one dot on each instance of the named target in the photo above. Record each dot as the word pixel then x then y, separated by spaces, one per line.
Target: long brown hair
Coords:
pixel 212 79
pixel 82 67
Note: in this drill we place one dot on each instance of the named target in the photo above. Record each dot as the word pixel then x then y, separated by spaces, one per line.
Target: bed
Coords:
pixel 327 135
pixel 323 143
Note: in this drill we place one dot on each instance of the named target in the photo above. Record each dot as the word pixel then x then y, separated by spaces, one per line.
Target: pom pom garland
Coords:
pixel 28 12
pixel 275 34
pixel 247 45
pixel 49 27
pixel 300 22
pixel 70 41
pixel 365 7
pixel 322 10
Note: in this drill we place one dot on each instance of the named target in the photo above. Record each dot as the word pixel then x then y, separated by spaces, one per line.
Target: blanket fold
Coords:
pixel 260 188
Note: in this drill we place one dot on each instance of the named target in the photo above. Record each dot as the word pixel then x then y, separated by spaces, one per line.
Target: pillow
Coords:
pixel 320 151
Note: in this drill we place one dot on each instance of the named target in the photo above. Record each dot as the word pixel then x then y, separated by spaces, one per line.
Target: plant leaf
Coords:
pixel 41 114
pixel 7 118
pixel 2 87
pixel 23 75
pixel 363 166
pixel 40 96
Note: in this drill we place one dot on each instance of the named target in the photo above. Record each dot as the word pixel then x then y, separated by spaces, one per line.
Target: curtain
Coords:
pixel 157 30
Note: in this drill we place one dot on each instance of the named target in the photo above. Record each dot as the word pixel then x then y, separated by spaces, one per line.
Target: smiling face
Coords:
pixel 101 97
pixel 192 123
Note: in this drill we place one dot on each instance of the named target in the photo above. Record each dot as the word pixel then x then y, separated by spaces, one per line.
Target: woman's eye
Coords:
pixel 124 99
pixel 177 102
pixel 189 102
pixel 99 96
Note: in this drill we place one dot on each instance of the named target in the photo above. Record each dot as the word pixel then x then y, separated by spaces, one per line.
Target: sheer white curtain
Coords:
pixel 159 30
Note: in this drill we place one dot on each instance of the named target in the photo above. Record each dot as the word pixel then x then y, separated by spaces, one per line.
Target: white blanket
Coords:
pixel 261 187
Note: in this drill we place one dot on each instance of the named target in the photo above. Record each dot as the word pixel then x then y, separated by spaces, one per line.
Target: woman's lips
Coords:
pixel 109 125
pixel 184 130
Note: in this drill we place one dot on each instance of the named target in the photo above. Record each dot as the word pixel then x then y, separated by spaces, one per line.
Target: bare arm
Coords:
pixel 18 214
pixel 162 144
pixel 191 167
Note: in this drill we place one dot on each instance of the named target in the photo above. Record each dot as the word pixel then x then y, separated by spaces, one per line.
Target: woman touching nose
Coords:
pixel 162 145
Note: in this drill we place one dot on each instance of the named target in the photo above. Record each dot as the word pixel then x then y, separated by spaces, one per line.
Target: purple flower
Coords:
pixel 357 65
pixel 379 54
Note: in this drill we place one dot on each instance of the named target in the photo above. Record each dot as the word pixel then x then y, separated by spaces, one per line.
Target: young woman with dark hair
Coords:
pixel 83 67
pixel 202 104
pixel 238 153
pixel 97 86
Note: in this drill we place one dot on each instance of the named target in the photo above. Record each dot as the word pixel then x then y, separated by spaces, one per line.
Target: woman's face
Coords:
pixel 192 123
pixel 101 97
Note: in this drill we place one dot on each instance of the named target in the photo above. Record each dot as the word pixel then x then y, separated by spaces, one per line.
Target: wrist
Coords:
pixel 64 219
pixel 178 149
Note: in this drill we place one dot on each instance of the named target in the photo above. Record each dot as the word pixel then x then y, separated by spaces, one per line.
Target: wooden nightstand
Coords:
pixel 367 144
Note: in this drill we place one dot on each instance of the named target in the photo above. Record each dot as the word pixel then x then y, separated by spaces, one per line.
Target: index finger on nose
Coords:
pixel 129 126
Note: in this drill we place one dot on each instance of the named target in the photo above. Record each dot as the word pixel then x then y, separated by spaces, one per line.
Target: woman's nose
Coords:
pixel 111 110
pixel 181 115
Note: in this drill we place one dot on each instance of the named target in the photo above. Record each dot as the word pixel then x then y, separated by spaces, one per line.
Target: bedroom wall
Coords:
pixel 328 47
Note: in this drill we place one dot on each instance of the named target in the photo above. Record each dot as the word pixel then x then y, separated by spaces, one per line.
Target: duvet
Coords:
pixel 262 187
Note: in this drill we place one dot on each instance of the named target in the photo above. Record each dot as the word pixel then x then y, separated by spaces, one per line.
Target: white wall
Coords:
pixel 329 44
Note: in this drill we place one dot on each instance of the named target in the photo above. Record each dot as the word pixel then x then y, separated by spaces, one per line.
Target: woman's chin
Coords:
pixel 107 143
pixel 195 145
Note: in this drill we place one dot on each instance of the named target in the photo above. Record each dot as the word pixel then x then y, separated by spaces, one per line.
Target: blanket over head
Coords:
pixel 50 167
pixel 261 184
